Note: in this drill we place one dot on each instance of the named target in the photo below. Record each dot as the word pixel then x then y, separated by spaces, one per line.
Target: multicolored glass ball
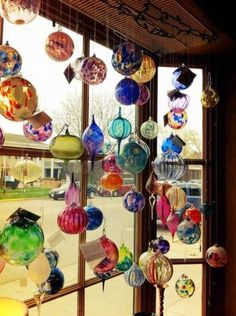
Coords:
pixel 144 94
pixel 185 286
pixel 127 91
pixel 95 217
pixel 18 99
pixel 59 46
pixel 38 135
pixel 193 213
pixel 182 77
pixel 216 256
pixel 133 201
pixel 188 232
pixel 92 70
pixel 146 71
pixel 177 120
pixel 178 101
pixel 19 11
pixel 10 61
pixel 127 58
pixel 125 258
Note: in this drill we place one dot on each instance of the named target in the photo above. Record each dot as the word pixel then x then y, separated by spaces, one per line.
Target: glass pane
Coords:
pixel 191 183
pixel 116 299
pixel 191 133
pixel 175 305
pixel 66 305
pixel 44 197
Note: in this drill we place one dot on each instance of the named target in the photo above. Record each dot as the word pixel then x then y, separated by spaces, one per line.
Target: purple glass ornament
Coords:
pixel 109 164
pixel 127 91
pixel 92 70
pixel 93 140
pixel 40 134
pixel 161 244
pixel 178 101
pixel 2 137
pixel 134 201
pixel 72 193
pixel 144 94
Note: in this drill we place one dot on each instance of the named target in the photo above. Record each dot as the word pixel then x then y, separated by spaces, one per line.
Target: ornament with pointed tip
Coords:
pixel 216 256
pixel 172 223
pixel 163 209
pixel 184 286
pixel 72 193
pixel 134 277
pixel 93 140
pixel 149 129
pixel 152 188
pixel 125 258
pixel 119 128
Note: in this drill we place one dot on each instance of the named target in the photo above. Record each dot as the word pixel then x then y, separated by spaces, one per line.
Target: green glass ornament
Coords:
pixel 149 129
pixel 184 286
pixel 125 258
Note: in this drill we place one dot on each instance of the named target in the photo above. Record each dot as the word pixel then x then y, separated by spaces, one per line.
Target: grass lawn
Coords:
pixel 25 193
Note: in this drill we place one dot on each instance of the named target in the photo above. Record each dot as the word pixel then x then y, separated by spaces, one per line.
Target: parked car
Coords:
pixel 119 192
pixel 59 193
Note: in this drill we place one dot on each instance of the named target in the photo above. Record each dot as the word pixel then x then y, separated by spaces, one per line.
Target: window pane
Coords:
pixel 116 299
pixel 175 305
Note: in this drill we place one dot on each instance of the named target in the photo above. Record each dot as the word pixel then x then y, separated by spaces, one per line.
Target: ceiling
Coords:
pixel 163 26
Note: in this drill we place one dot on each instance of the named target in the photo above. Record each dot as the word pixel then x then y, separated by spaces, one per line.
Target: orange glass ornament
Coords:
pixel 192 213
pixel 111 181
pixel 146 71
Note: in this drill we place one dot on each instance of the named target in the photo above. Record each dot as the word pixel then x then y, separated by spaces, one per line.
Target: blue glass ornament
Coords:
pixel 10 61
pixel 133 201
pixel 134 276
pixel 169 144
pixel 177 120
pixel 127 58
pixel 160 244
pixel 182 77
pixel 119 128
pixel 52 256
pixel 54 283
pixel 40 134
pixel 188 232
pixel 95 217
pixel 125 258
pixel 132 157
pixel 127 91
pixel 93 140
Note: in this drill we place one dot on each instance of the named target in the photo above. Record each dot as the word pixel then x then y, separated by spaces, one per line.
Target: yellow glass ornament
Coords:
pixel 146 71
pixel 26 171
pixel 209 97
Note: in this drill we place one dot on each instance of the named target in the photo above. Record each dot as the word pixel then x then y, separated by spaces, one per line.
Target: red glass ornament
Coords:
pixel 193 213
pixel 111 181
pixel 73 219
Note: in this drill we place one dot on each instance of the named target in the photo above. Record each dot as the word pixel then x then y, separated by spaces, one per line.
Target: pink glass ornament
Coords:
pixel 2 137
pixel 144 94
pixel 163 209
pixel 109 164
pixel 37 135
pixel 178 101
pixel 73 219
pixel 216 256
pixel 72 193
pixel 92 70
pixel 112 255
pixel 172 223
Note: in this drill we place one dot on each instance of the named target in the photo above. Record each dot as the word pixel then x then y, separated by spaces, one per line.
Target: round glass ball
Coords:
pixel 92 70
pixel 59 46
pixel 127 91
pixel 177 120
pixel 216 256
pixel 38 135
pixel 10 61
pixel 146 71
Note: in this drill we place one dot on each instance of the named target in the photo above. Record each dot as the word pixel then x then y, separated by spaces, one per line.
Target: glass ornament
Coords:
pixel 10 61
pixel 72 194
pixel 216 256
pixel 95 217
pixel 73 219
pixel 54 283
pixel 169 166
pixel 146 71
pixel 178 101
pixel 2 264
pixel 21 240
pixel 177 197
pixel 19 11
pixel 152 188
pixel 26 170
pixel 125 259
pixel 149 129
pixel 18 99
pixel 172 223
pixel 184 286
pixel 143 259
pixel 39 269
pixel 59 46
pixel 193 213
pixel 119 128
pixel 112 256
pixel 144 94
pixel 182 77
pixel 163 209
pixel 209 97
pixel 109 164
pixel 177 120
pixel 188 232
pixel 38 135
pixel 160 244
pixel 169 143
pixel 134 201
pixel 52 257
pixel 127 91
pixel 159 269
pixel 93 140
pixel 92 70
pixel 132 157
pixel 111 181
pixel 66 146
pixel 2 137
pixel 127 58
pixel 134 276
